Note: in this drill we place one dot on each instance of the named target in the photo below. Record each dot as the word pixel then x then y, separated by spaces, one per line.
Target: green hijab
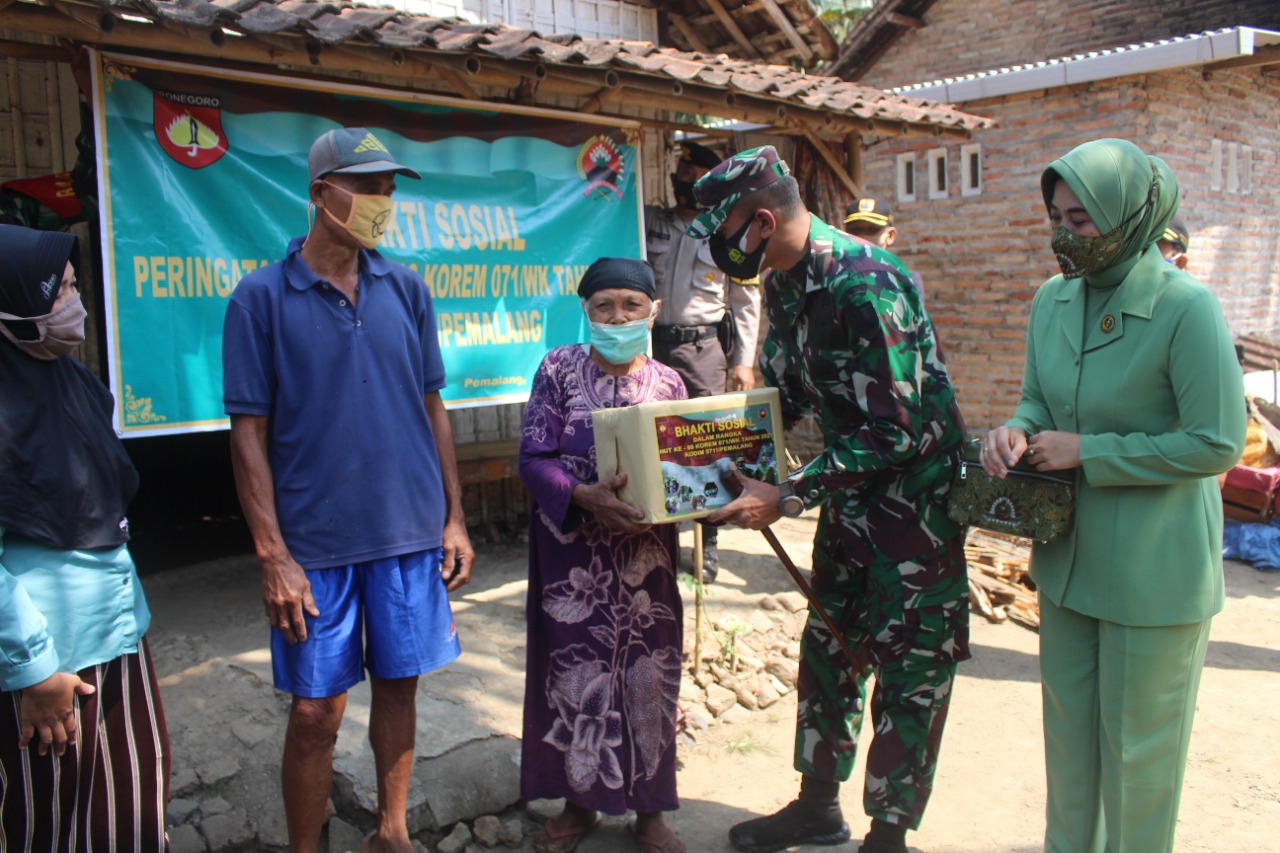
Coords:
pixel 1118 186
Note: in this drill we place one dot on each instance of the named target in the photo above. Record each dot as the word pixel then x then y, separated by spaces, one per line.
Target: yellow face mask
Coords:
pixel 367 219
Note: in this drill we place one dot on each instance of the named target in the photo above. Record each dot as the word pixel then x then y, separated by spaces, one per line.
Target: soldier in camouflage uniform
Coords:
pixel 850 343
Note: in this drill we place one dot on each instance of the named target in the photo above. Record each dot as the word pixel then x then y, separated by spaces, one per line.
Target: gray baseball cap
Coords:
pixel 352 150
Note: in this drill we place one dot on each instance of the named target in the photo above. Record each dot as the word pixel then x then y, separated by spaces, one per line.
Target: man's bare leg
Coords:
pixel 306 771
pixel 393 720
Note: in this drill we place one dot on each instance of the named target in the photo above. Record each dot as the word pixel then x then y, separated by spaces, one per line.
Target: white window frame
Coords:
pixel 970 183
pixel 1246 169
pixel 937 180
pixel 907 166
pixel 1215 165
pixel 1233 168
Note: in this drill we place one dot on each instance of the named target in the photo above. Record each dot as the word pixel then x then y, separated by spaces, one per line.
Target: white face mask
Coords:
pixel 57 333
pixel 367 219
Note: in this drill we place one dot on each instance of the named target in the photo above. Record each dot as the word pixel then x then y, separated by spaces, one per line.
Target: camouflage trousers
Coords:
pixel 907 624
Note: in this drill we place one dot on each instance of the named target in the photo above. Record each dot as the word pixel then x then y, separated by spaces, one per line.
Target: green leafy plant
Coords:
pixel 841 16
pixel 728 637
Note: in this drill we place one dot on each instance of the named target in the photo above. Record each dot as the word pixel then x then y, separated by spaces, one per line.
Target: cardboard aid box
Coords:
pixel 675 453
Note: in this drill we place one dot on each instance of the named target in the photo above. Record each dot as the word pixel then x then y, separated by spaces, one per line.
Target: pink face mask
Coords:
pixel 57 333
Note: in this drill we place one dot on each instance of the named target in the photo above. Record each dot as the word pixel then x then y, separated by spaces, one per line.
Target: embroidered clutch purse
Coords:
pixel 1032 504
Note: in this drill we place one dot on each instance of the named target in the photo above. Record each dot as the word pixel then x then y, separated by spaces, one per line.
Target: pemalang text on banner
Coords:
pixel 203 178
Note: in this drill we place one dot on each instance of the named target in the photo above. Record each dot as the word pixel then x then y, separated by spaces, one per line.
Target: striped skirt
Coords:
pixel 109 791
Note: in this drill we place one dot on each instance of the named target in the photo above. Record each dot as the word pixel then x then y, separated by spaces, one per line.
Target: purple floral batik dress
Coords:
pixel 604 614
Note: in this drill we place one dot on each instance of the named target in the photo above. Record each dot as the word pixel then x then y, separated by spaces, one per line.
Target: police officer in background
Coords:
pixel 707 325
pixel 1173 244
pixel 871 219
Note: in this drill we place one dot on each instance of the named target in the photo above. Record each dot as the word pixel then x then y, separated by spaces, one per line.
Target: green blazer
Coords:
pixel 1156 394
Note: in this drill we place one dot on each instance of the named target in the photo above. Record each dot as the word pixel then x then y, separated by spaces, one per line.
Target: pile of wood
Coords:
pixel 1000 586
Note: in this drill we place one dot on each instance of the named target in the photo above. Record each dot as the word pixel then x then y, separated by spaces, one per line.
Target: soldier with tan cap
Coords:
pixel 344 464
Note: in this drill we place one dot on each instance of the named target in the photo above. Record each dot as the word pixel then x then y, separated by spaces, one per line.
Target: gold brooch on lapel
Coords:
pixel 1108 323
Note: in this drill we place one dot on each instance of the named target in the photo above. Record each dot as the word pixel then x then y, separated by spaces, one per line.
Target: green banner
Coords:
pixel 203 178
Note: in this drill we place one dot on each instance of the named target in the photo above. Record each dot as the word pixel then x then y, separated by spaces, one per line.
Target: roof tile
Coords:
pixel 333 22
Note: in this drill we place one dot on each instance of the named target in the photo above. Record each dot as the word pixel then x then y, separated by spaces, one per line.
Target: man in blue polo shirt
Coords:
pixel 344 465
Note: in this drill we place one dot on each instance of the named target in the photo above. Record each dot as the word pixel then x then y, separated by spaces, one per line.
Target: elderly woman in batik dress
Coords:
pixel 604 614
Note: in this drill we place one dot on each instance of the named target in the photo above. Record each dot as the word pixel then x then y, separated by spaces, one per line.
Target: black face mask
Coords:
pixel 684 194
pixel 731 258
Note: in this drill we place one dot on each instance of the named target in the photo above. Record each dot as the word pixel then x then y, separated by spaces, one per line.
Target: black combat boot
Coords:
pixel 813 818
pixel 884 837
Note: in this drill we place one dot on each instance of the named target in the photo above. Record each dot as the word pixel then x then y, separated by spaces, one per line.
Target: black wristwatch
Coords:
pixel 789 503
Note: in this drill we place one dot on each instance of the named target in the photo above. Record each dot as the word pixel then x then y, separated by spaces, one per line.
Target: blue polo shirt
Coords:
pixel 352 453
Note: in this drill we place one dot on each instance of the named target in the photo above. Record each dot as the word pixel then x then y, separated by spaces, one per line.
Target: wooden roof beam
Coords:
pixel 905 20
pixel 833 162
pixel 732 28
pixel 101 21
pixel 784 23
pixel 690 34
pixel 31 50
pixel 409 65
pixel 602 96
pixel 1269 55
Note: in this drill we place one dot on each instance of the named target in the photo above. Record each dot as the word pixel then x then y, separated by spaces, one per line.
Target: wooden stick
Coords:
pixel 813 599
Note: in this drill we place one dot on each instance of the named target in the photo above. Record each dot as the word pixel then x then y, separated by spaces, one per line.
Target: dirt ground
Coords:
pixel 989 793
pixel 990 786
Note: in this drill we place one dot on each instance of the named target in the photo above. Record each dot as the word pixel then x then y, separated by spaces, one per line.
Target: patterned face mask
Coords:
pixel 1084 256
pixel 1080 256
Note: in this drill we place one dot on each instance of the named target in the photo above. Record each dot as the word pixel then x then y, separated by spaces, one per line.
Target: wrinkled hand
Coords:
pixel 286 593
pixel 755 504
pixel 599 500
pixel 1004 447
pixel 1054 451
pixel 459 556
pixel 741 378
pixel 48 709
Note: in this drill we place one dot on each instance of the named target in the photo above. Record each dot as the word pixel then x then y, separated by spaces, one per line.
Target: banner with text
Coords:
pixel 203 178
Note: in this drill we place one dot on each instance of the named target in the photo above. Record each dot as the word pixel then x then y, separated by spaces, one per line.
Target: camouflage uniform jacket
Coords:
pixel 850 342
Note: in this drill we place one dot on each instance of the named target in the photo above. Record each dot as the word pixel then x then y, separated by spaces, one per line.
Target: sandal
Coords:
pixel 553 839
pixel 659 843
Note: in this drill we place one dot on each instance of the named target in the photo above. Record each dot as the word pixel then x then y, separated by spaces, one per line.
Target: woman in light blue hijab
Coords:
pixel 1132 382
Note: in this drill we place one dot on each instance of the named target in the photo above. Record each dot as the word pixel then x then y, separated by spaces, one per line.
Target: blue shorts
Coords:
pixel 401 605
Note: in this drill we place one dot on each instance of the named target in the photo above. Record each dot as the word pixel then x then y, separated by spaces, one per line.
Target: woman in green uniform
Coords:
pixel 1131 380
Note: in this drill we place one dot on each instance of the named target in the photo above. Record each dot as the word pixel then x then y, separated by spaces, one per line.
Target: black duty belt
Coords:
pixel 682 334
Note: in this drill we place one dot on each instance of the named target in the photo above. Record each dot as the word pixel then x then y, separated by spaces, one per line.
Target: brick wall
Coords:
pixel 983 257
pixel 959 36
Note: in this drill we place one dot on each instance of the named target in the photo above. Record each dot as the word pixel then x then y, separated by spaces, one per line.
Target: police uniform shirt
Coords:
pixel 692 288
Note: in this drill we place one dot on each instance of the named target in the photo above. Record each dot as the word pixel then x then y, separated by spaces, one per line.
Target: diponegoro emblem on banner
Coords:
pixel 189 128
pixel 600 164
